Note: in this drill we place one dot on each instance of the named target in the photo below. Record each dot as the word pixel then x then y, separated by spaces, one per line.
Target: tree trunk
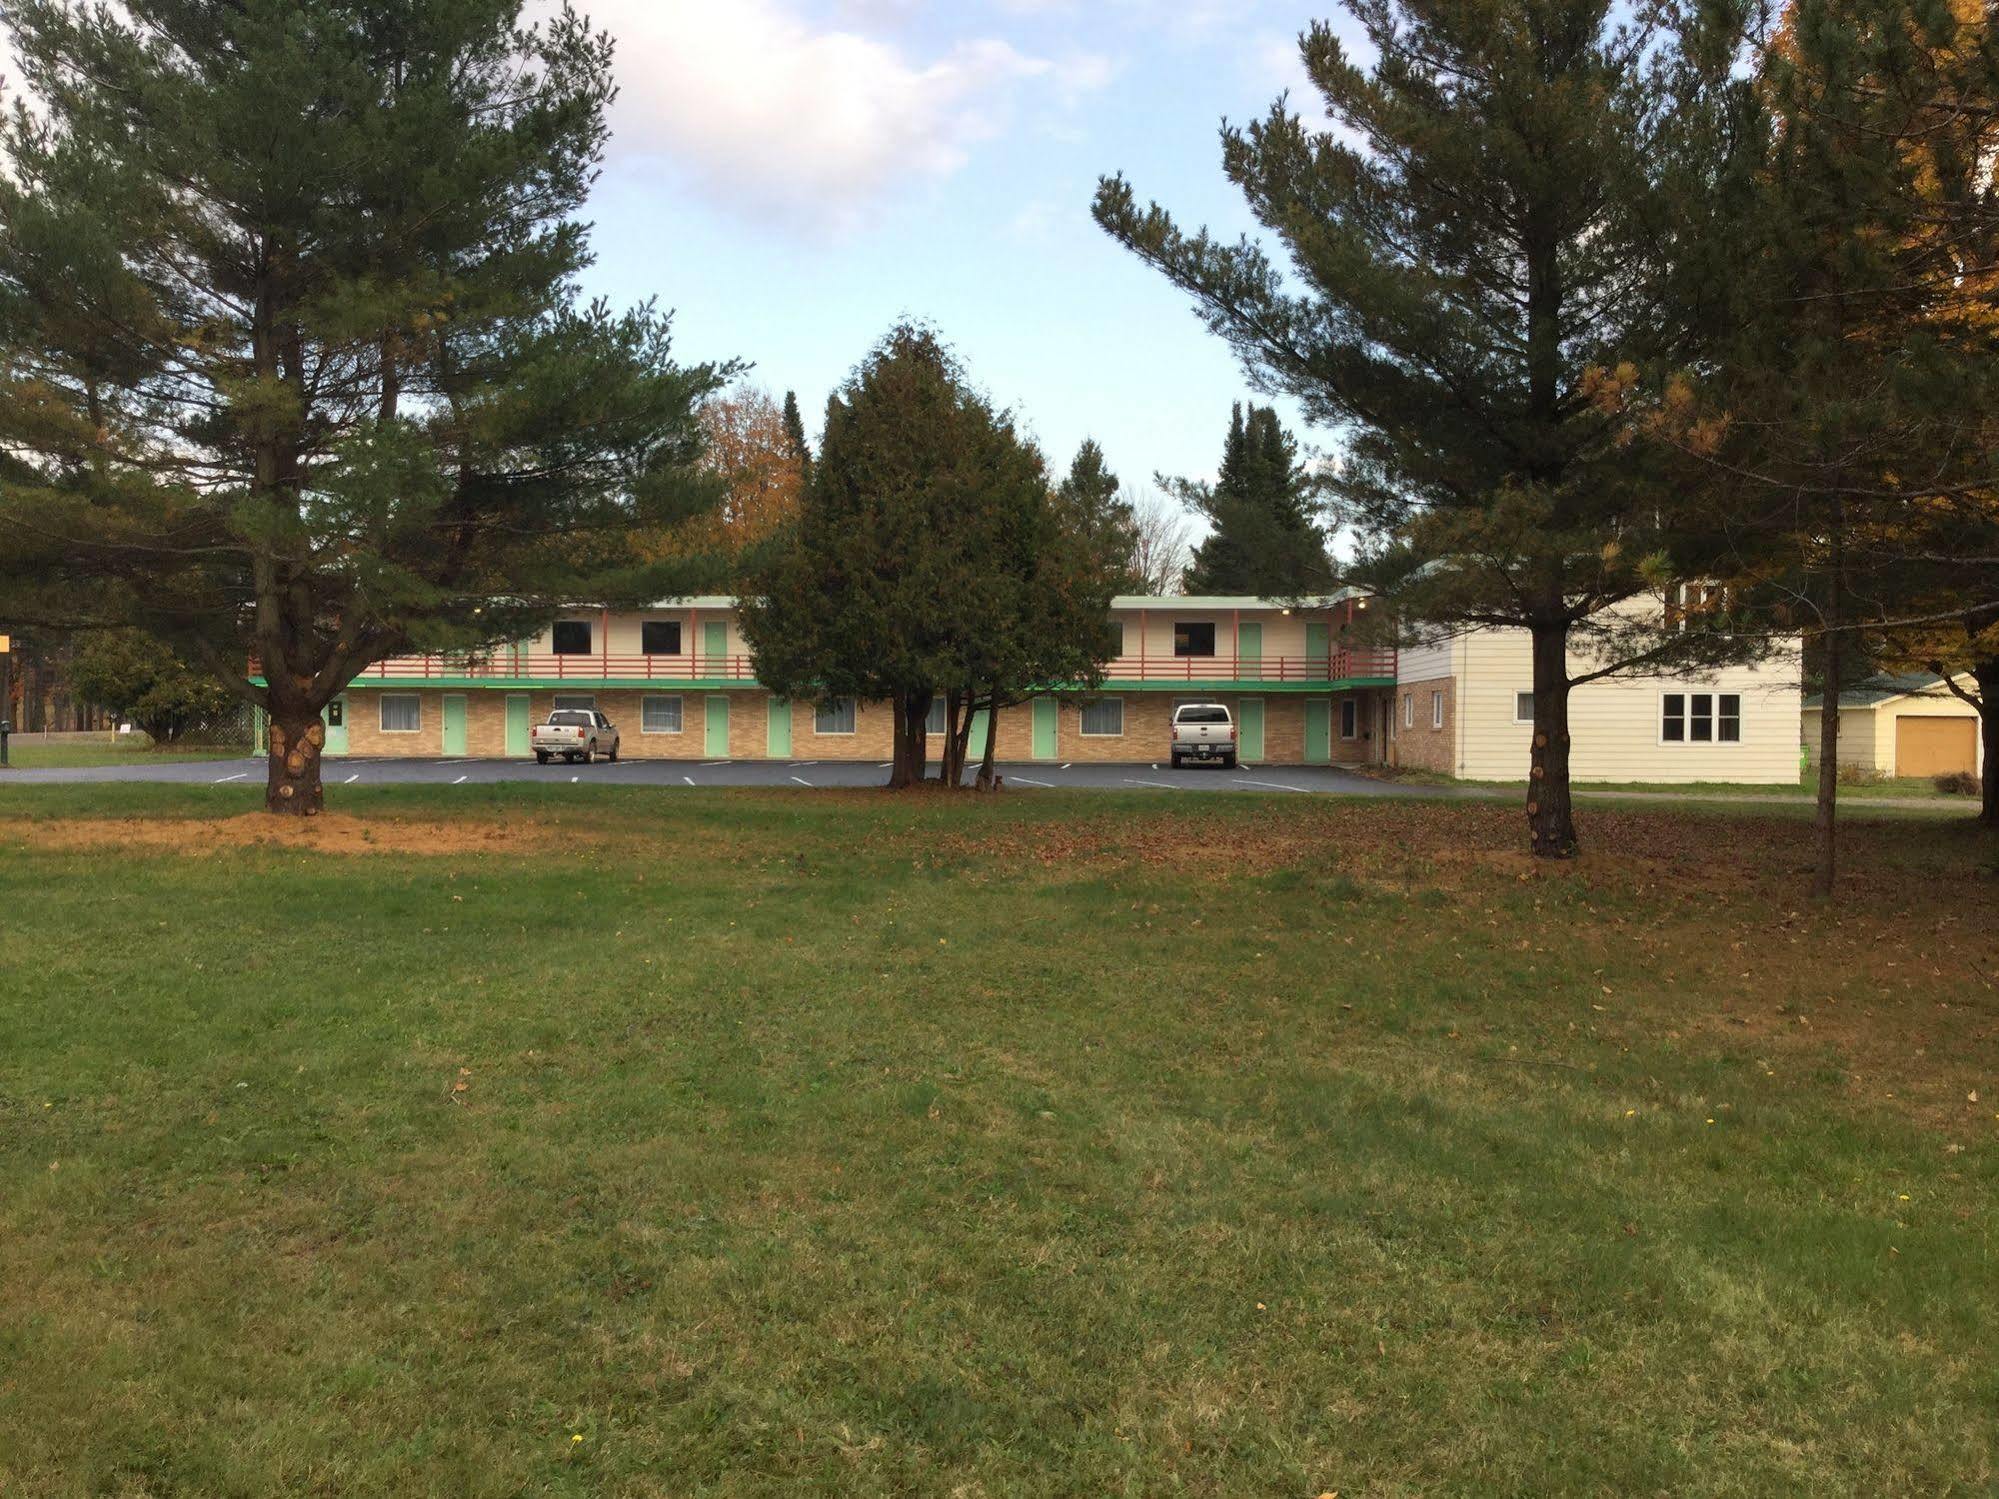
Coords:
pixel 1550 812
pixel 964 708
pixel 291 776
pixel 1986 675
pixel 987 780
pixel 912 713
pixel 1826 819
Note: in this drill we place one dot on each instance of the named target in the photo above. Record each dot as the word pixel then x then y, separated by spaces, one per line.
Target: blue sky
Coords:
pixel 793 176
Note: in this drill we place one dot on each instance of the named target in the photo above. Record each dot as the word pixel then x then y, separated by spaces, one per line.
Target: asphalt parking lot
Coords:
pixel 1303 780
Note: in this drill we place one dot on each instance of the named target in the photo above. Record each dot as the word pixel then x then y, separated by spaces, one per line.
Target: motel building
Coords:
pixel 679 683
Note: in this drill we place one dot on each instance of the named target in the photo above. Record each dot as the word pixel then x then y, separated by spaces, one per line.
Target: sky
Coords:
pixel 793 177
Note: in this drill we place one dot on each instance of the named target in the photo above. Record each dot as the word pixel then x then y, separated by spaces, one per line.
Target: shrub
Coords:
pixel 1958 783
pixel 1858 775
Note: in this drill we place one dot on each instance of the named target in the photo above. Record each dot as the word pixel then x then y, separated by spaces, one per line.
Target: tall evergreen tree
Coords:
pixel 1090 494
pixel 1263 538
pixel 794 427
pixel 291 364
pixel 1484 231
pixel 1849 404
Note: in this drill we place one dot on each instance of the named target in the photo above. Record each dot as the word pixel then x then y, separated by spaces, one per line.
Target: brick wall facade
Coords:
pixel 1421 744
pixel 1145 737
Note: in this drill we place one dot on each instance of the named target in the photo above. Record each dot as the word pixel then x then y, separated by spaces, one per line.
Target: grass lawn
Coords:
pixel 1807 787
pixel 131 749
pixel 506 1140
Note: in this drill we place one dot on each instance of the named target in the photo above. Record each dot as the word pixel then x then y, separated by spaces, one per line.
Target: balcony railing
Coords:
pixel 1376 663
pixel 1340 666
pixel 505 665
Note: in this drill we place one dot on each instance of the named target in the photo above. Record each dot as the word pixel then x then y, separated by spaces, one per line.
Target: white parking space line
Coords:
pixel 710 763
pixel 236 777
pixel 802 781
pixel 1065 764
pixel 803 764
pixel 574 779
pixel 1273 785
pixel 1024 781
pixel 688 779
pixel 461 780
pixel 352 779
pixel 454 762
pixel 1167 785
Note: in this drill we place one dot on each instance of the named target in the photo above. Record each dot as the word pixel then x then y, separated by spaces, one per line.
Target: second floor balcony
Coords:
pixel 1369 665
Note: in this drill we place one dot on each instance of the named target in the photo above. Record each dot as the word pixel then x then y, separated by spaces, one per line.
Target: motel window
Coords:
pixel 1408 710
pixel 659 715
pixel 1523 707
pixel 1193 639
pixel 572 637
pixel 580 702
pixel 1436 710
pixel 660 637
pixel 939 721
pixel 1700 718
pixel 402 713
pixel 1103 718
pixel 834 716
pixel 1349 718
pixel 1117 638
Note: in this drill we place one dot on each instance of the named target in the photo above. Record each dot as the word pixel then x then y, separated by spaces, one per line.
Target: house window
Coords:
pixel 402 713
pixel 1523 707
pixel 1103 718
pixel 581 702
pixel 1700 718
pixel 1190 639
pixel 1349 718
pixel 659 637
pixel 939 721
pixel 1117 638
pixel 1408 710
pixel 659 715
pixel 834 716
pixel 572 637
pixel 1436 710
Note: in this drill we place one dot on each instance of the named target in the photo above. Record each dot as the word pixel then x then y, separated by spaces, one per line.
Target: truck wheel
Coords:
pixel 1228 762
pixel 615 747
pixel 1176 762
pixel 590 755
pixel 541 757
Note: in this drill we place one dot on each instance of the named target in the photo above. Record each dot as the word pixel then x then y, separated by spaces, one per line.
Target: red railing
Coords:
pixel 513 665
pixel 503 665
pixel 1340 666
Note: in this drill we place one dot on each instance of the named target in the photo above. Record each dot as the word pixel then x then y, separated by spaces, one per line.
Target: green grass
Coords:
pixel 1807 786
pixel 130 749
pixel 846 1144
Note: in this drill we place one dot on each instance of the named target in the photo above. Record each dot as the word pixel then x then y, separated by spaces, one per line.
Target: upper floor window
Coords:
pixel 1117 638
pixel 659 637
pixel 1191 638
pixel 1696 606
pixel 1700 718
pixel 572 637
pixel 575 702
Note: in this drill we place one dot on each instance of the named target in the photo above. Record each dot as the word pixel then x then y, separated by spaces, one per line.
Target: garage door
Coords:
pixel 1935 746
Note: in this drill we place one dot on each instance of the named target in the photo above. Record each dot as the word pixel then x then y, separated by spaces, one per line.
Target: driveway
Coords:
pixel 344 771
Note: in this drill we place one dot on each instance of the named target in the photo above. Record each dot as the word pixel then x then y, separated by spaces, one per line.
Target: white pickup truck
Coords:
pixel 1204 732
pixel 575 734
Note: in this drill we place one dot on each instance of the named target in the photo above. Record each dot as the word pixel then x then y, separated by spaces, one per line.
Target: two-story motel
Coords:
pixel 679 683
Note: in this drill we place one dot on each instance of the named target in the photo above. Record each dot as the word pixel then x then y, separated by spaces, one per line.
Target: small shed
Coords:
pixel 1910 724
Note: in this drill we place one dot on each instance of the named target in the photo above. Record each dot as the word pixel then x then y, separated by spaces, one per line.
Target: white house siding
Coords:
pixel 1614 724
pixel 1426 663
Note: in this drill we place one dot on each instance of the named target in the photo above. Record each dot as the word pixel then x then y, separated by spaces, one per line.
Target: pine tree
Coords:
pixel 1484 232
pixel 291 365
pixel 1090 493
pixel 794 427
pixel 1264 540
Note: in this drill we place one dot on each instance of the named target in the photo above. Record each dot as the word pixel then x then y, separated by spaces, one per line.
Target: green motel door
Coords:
pixel 715 728
pixel 1249 652
pixel 1046 719
pixel 715 649
pixel 335 717
pixel 975 746
pixel 1249 720
pixel 1318 647
pixel 1318 731
pixel 777 742
pixel 518 722
pixel 454 723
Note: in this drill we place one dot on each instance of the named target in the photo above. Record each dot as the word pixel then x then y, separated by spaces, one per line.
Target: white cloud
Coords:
pixel 806 125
